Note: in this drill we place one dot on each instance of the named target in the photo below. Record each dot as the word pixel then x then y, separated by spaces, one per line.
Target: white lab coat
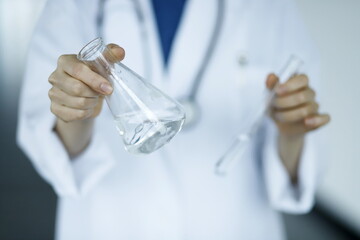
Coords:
pixel 107 193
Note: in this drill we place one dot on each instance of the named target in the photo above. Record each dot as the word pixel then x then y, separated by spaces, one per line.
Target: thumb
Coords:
pixel 115 54
pixel 271 81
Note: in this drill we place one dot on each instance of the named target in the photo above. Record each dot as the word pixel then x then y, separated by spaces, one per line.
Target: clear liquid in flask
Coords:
pixel 143 136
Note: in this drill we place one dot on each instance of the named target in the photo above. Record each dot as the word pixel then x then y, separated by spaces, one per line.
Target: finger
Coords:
pixel 271 81
pixel 69 114
pixel 295 99
pixel 297 114
pixel 78 70
pixel 317 121
pixel 62 98
pixel 295 83
pixel 116 53
pixel 71 85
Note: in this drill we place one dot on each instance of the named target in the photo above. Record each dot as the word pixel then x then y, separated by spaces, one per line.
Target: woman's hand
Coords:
pixel 295 112
pixel 76 99
pixel 77 92
pixel 294 108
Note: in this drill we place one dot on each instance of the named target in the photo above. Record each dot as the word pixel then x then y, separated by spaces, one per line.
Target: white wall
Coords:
pixel 335 26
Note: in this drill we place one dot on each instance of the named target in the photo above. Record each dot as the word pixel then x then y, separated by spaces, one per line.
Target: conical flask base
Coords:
pixel 145 136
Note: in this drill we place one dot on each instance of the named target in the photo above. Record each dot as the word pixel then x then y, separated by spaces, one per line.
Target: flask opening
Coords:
pixel 92 50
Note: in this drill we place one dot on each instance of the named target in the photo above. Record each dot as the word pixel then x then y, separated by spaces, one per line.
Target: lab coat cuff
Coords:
pixel 282 193
pixel 53 160
pixel 93 164
pixel 70 177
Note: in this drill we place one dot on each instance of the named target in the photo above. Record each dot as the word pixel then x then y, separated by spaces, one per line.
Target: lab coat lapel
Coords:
pixel 152 43
pixel 189 46
pixel 138 37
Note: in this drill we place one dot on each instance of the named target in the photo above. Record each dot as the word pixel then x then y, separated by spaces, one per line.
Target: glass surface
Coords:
pixel 241 143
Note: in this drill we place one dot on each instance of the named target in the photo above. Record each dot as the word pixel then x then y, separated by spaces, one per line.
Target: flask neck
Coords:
pixel 98 57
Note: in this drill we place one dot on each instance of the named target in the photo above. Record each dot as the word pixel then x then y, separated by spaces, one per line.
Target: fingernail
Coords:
pixel 281 90
pixel 312 121
pixel 106 88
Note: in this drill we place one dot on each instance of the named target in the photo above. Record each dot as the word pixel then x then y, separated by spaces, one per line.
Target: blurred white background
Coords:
pixel 17 20
pixel 335 27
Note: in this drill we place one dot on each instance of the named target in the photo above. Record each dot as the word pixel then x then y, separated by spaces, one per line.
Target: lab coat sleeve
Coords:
pixel 57 33
pixel 282 194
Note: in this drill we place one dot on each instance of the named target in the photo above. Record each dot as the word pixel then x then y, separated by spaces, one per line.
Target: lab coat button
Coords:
pixel 243 60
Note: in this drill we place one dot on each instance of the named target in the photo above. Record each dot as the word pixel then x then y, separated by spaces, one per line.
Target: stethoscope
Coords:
pixel 189 102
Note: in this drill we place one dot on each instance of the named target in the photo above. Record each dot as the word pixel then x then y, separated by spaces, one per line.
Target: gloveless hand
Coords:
pixel 76 96
pixel 77 92
pixel 294 107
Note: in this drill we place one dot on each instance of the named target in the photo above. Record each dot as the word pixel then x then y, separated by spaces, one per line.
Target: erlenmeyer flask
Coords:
pixel 145 117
